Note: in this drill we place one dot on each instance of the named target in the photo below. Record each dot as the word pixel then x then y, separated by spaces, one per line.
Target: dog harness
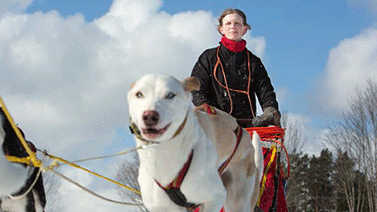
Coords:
pixel 238 133
pixel 173 190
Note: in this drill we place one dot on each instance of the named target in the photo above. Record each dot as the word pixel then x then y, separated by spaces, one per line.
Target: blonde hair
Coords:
pixel 231 11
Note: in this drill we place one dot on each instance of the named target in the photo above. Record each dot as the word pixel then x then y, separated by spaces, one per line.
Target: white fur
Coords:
pixel 202 184
pixel 18 205
pixel 12 176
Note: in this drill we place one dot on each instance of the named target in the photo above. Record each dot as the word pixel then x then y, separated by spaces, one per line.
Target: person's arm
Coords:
pixel 266 97
pixel 264 89
pixel 202 72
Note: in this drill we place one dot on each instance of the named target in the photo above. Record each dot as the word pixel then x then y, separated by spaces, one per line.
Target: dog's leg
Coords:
pixel 239 189
pixel 215 205
pixel 154 198
pixel 242 177
pixel 208 191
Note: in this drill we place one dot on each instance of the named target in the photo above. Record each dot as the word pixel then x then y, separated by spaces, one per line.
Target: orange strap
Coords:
pixel 247 91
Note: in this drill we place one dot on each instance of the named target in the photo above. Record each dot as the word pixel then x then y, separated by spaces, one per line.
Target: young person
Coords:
pixel 231 76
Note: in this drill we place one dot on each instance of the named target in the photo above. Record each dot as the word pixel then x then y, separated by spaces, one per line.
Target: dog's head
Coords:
pixel 159 104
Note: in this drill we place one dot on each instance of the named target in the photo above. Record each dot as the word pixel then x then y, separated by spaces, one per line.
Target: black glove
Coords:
pixel 270 116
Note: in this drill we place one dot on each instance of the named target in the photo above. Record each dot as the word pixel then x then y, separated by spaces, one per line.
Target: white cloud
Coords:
pixel 65 80
pixel 256 44
pixel 301 127
pixel 282 95
pixel 349 66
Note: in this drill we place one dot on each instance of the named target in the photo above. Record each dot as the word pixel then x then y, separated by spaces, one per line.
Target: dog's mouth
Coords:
pixel 153 133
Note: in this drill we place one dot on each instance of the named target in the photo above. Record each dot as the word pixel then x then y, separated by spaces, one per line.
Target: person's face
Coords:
pixel 232 27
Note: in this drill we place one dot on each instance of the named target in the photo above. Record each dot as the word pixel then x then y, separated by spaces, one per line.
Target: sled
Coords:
pixel 272 186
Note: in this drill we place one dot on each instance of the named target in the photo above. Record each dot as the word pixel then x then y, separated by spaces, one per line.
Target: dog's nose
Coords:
pixel 150 118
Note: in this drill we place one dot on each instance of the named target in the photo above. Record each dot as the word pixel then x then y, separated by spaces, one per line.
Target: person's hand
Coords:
pixel 270 116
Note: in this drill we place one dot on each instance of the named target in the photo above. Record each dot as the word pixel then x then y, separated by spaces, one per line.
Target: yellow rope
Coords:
pixel 265 173
pixel 106 156
pixel 26 160
pixel 34 160
pixel 93 173
pixel 93 193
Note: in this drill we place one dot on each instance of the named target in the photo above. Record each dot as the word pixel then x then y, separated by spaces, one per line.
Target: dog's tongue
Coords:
pixel 153 133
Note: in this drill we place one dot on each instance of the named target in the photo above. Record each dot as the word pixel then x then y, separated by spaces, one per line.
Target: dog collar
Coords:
pixel 180 126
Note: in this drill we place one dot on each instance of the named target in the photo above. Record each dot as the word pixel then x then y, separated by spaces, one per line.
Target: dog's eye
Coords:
pixel 139 94
pixel 170 95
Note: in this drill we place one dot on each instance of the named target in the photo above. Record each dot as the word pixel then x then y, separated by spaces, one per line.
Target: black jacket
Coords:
pixel 236 69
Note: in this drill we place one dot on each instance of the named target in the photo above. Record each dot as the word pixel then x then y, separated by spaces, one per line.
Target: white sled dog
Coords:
pixel 180 170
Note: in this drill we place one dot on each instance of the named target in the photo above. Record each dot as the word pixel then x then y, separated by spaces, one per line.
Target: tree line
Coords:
pixel 343 179
pixel 327 183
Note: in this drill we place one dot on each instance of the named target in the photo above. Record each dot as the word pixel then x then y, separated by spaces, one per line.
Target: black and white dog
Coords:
pixel 17 179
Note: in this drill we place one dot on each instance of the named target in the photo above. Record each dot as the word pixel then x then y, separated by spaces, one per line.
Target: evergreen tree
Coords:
pixel 326 164
pixel 320 189
pixel 297 192
pixel 343 179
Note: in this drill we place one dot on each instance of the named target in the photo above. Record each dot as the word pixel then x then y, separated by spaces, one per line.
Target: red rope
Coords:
pixel 268 133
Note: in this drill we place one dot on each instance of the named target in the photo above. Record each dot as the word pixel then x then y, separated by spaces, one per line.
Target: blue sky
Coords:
pixel 67 65
pixel 299 34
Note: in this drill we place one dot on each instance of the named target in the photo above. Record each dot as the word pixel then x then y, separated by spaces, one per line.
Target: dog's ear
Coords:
pixel 191 84
pixel 132 84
